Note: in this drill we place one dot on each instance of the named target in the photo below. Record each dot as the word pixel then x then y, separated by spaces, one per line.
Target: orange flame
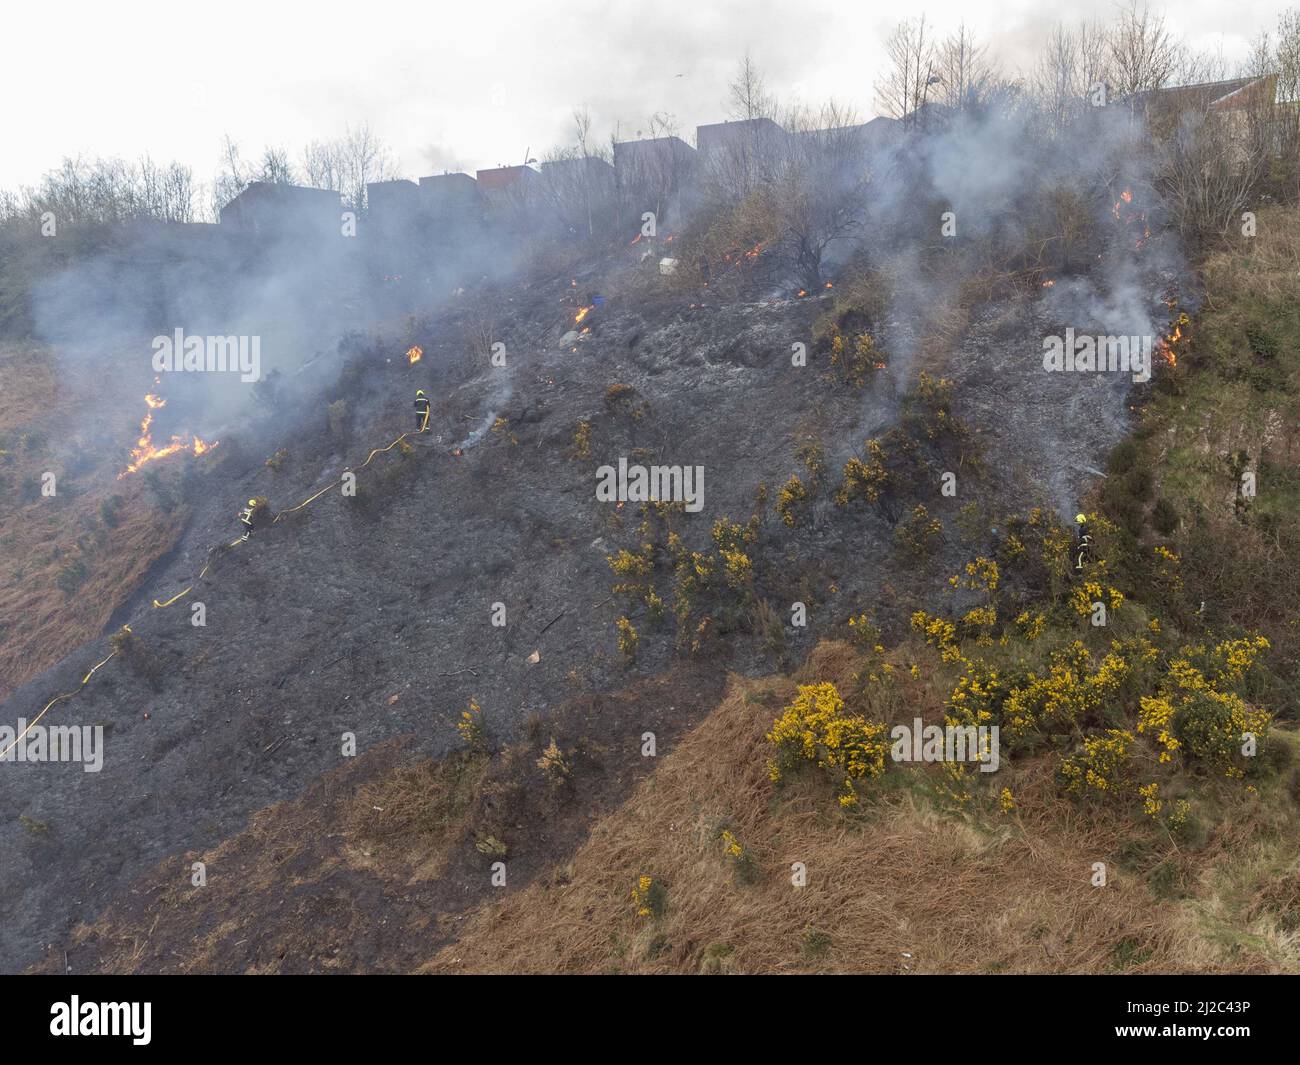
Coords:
pixel 1167 346
pixel 414 355
pixel 583 313
pixel 145 452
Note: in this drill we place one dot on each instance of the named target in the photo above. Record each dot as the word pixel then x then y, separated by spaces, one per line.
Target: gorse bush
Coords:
pixel 855 359
pixel 818 729
pixel 628 640
pixel 470 728
pixel 919 534
pixel 864 479
pixel 791 501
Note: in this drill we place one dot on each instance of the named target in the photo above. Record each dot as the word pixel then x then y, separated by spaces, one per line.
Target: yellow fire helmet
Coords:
pixel 252 502
pixel 419 391
pixel 1080 519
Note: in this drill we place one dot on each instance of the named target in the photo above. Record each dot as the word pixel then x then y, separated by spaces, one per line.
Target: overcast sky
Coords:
pixel 465 85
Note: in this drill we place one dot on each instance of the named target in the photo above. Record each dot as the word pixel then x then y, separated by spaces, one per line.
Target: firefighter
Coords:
pixel 1083 546
pixel 421 410
pixel 246 519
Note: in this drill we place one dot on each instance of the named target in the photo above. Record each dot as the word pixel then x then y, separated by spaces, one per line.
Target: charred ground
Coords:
pixel 371 615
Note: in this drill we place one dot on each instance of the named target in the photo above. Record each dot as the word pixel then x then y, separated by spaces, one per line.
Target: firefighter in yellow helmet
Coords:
pixel 246 519
pixel 421 410
pixel 1083 545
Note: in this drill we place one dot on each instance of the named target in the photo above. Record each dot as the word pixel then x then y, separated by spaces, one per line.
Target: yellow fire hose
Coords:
pixel 312 499
pixel 181 594
pixel 290 510
pixel 58 698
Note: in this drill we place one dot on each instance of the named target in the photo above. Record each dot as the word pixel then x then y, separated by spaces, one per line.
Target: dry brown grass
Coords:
pixel 899 886
pixel 39 621
pixel 416 812
pixel 1266 266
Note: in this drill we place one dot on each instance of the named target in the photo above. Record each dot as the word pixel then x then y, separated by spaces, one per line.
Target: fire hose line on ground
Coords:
pixel 350 469
pixel 310 499
pixel 179 595
pixel 57 699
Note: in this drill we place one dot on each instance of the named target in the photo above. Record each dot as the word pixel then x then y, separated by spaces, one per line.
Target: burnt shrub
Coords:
pixel 137 655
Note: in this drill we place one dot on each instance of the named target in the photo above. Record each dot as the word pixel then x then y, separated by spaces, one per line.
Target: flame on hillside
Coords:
pixel 1167 345
pixel 414 354
pixel 145 451
pixel 1124 211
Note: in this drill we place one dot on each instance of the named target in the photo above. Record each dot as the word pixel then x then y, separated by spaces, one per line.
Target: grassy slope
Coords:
pixel 44 540
pixel 898 885
pixel 1235 406
pixel 903 883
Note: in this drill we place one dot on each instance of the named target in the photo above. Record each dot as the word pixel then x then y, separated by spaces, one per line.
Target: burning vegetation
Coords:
pixel 146 451
pixel 987 615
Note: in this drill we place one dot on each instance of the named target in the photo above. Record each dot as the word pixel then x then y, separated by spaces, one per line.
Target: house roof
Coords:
pixel 1205 96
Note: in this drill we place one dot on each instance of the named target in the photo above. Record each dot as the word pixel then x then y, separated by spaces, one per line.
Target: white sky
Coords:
pixel 464 85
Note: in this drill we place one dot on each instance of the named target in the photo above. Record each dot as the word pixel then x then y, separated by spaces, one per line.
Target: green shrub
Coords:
pixel 1123 457
pixel 1164 517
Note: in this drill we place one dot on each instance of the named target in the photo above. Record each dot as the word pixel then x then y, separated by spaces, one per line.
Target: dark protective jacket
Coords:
pixel 1083 549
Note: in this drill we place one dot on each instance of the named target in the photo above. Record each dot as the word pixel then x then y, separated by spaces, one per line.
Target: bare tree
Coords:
pixel 274 168
pixel 578 183
pixel 743 159
pixel 166 193
pixel 232 175
pixel 1271 114
pixel 1208 175
pixel 322 165
pixel 820 192
pixel 966 74
pixel 108 191
pixel 906 85
pixel 1143 54
pixel 348 164
pixel 365 158
pixel 653 170
pixel 747 92
pixel 1074 65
